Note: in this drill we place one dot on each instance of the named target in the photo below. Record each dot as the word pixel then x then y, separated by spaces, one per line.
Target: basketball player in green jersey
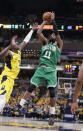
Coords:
pixel 46 70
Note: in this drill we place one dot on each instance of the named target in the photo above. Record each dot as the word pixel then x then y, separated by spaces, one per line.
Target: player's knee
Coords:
pixel 52 91
pixel 31 88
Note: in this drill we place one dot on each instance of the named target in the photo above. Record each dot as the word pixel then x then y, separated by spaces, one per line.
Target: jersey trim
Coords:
pixel 52 86
pixel 4 78
pixel 3 93
pixel 34 83
pixel 45 66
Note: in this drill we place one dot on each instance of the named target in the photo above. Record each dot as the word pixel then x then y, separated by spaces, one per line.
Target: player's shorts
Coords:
pixel 6 86
pixel 42 74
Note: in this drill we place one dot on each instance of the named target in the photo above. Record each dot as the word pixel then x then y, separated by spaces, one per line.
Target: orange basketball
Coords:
pixel 47 16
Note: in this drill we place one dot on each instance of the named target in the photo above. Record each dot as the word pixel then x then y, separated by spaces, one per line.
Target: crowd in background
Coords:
pixel 38 104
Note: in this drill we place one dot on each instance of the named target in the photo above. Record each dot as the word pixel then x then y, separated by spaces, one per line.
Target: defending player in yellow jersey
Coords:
pixel 11 70
pixel 12 56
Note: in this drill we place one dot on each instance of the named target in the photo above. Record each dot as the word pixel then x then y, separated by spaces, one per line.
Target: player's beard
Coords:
pixel 52 40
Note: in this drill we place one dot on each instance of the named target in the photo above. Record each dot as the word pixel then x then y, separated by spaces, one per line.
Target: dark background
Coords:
pixel 68 12
pixel 61 7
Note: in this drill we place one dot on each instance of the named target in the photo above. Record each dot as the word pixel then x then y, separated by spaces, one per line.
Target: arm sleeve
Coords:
pixel 28 37
pixel 55 28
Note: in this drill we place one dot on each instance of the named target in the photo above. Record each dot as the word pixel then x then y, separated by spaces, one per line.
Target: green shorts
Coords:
pixel 42 74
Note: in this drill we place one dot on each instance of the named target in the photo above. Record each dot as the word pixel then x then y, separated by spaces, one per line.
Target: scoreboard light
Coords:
pixel 1 25
pixel 50 27
pixel 9 26
pixel 77 27
pixel 62 27
pixel 16 26
pixel 20 26
pixel 69 27
pixel 4 26
pixel 12 26
pixel 80 27
pixel 68 68
pixel 23 26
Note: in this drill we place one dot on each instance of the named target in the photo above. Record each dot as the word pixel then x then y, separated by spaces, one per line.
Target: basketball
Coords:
pixel 47 17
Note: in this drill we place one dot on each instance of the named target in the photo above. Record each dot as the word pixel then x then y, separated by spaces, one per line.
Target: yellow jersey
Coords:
pixel 9 74
pixel 12 68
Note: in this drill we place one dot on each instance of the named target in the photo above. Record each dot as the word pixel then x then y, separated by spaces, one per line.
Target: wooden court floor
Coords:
pixel 28 124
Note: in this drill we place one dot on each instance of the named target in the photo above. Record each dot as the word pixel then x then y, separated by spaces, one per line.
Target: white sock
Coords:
pixel 22 102
pixel 52 110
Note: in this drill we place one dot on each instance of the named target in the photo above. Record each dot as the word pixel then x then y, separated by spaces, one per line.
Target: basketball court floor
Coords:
pixel 28 124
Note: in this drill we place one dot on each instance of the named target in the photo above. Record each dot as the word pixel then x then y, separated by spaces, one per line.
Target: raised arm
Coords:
pixel 5 51
pixel 40 34
pixel 55 28
pixel 28 37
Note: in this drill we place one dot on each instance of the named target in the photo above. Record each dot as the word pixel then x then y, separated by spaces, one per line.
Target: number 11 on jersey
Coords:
pixel 47 54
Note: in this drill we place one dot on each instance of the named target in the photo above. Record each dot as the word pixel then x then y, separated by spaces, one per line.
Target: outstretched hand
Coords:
pixel 74 107
pixel 52 16
pixel 34 26
pixel 13 42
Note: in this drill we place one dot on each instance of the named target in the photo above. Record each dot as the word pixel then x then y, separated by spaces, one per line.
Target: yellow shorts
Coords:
pixel 6 86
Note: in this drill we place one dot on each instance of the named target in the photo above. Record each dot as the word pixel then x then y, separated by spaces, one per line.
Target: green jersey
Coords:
pixel 50 54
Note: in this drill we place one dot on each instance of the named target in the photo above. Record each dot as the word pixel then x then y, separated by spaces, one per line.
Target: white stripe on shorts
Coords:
pixel 52 86
pixel 34 83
